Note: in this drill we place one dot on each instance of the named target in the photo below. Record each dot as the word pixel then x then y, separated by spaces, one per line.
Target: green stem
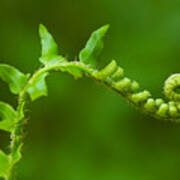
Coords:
pixel 17 134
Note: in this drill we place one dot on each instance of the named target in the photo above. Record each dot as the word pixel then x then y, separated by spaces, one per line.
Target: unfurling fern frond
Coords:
pixel 112 76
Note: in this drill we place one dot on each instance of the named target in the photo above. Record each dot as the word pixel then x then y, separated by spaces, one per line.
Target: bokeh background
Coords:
pixel 83 131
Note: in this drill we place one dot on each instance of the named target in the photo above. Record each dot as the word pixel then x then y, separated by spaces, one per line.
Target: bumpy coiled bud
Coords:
pixel 113 76
pixel 171 86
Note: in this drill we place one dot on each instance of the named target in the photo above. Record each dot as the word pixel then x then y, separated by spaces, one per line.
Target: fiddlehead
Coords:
pixel 112 76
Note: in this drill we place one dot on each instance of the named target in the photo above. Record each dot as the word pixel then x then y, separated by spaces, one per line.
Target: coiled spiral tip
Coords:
pixel 172 87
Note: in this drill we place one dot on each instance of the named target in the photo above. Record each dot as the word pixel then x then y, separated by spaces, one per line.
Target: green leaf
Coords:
pixel 8 117
pixel 16 155
pixel 74 71
pixel 4 164
pixel 93 47
pixel 15 79
pixel 49 47
pixel 38 87
pixel 52 59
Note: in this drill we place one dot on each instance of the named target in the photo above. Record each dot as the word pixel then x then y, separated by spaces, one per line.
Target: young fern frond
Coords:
pixel 112 76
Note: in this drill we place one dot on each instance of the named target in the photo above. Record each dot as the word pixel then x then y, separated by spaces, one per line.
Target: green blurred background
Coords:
pixel 83 131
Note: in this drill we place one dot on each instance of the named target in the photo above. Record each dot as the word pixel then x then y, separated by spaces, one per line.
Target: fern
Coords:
pixel 112 76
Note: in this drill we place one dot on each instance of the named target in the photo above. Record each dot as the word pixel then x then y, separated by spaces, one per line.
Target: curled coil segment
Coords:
pixel 113 76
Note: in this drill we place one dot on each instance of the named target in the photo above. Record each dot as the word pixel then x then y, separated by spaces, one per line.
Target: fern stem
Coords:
pixel 17 134
pixel 112 76
pixel 134 98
